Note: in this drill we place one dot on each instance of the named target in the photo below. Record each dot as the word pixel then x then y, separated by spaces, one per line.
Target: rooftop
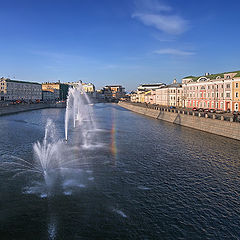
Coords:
pixel 213 76
pixel 20 81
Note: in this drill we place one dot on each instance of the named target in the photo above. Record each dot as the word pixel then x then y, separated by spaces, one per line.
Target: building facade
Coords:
pixel 210 91
pixel 60 89
pixel 170 95
pixel 113 92
pixel 11 90
pixel 236 93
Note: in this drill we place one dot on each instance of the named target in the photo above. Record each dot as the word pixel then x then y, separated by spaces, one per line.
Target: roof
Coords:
pixel 20 81
pixel 152 84
pixel 213 76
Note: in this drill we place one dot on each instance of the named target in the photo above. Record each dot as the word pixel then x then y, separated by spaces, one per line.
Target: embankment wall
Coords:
pixel 27 107
pixel 219 127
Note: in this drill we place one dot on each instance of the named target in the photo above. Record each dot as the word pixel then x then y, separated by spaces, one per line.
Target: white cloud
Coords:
pixel 172 51
pixel 169 24
pixel 158 15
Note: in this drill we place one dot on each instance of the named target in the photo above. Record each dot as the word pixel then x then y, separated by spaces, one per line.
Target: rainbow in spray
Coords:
pixel 113 139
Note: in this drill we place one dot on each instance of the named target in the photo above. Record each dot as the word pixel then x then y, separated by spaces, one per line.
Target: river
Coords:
pixel 147 179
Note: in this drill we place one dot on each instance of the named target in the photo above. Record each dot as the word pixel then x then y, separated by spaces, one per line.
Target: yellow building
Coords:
pixel 59 89
pixel 236 93
pixel 88 87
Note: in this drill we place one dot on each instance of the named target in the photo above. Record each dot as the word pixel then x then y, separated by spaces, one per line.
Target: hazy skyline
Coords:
pixel 126 42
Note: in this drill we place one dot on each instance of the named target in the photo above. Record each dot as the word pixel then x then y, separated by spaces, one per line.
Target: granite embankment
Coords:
pixel 197 121
pixel 27 107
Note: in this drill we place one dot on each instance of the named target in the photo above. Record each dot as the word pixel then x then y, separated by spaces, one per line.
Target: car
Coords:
pixel 172 107
pixel 219 111
pixel 236 113
pixel 200 109
pixel 212 110
pixel 194 109
pixel 206 110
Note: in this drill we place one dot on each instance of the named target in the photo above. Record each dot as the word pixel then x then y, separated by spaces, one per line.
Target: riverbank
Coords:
pixel 198 121
pixel 28 107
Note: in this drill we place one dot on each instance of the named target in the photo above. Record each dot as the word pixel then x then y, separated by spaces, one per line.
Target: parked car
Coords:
pixel 219 111
pixel 172 107
pixel 236 113
pixel 194 109
pixel 212 110
pixel 200 109
pixel 206 110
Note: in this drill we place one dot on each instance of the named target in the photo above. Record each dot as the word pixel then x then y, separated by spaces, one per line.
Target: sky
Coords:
pixel 127 42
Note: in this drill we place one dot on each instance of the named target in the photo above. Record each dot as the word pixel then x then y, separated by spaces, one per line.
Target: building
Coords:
pixel 236 92
pixel 50 95
pixel 150 97
pixel 88 87
pixel 11 90
pixel 147 87
pixel 60 89
pixel 170 95
pixel 209 91
pixel 113 92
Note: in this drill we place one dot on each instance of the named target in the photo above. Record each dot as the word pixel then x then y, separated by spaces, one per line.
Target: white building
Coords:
pixel 170 95
pixel 19 90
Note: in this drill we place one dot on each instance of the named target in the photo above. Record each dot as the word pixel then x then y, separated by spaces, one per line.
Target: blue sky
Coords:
pixel 126 42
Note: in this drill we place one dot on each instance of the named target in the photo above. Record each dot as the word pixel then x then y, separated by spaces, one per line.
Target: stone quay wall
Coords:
pixel 199 121
pixel 28 107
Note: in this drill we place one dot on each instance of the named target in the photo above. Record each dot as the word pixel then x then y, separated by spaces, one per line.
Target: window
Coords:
pixel 228 86
pixel 236 85
pixel 236 107
pixel 227 95
pixel 236 94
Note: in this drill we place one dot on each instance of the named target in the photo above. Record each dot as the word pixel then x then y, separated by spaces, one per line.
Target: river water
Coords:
pixel 148 179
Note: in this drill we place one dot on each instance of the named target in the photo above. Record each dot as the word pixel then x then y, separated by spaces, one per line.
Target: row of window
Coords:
pixel 209 87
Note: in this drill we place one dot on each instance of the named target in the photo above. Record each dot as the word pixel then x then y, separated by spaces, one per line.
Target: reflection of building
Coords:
pixel 19 90
pixel 60 90
pixel 114 92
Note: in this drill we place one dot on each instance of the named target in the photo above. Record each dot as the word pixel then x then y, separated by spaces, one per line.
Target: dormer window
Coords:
pixel 218 77
pixel 228 77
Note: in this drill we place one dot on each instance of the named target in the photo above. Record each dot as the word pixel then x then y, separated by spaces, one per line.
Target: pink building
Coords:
pixel 210 91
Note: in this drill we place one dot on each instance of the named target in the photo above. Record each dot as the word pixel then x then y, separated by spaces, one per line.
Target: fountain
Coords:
pixel 57 159
pixel 79 111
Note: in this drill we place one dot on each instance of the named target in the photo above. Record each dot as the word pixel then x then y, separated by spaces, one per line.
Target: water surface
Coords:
pixel 147 179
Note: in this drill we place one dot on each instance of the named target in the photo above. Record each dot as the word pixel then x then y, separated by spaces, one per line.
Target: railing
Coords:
pixel 186 111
